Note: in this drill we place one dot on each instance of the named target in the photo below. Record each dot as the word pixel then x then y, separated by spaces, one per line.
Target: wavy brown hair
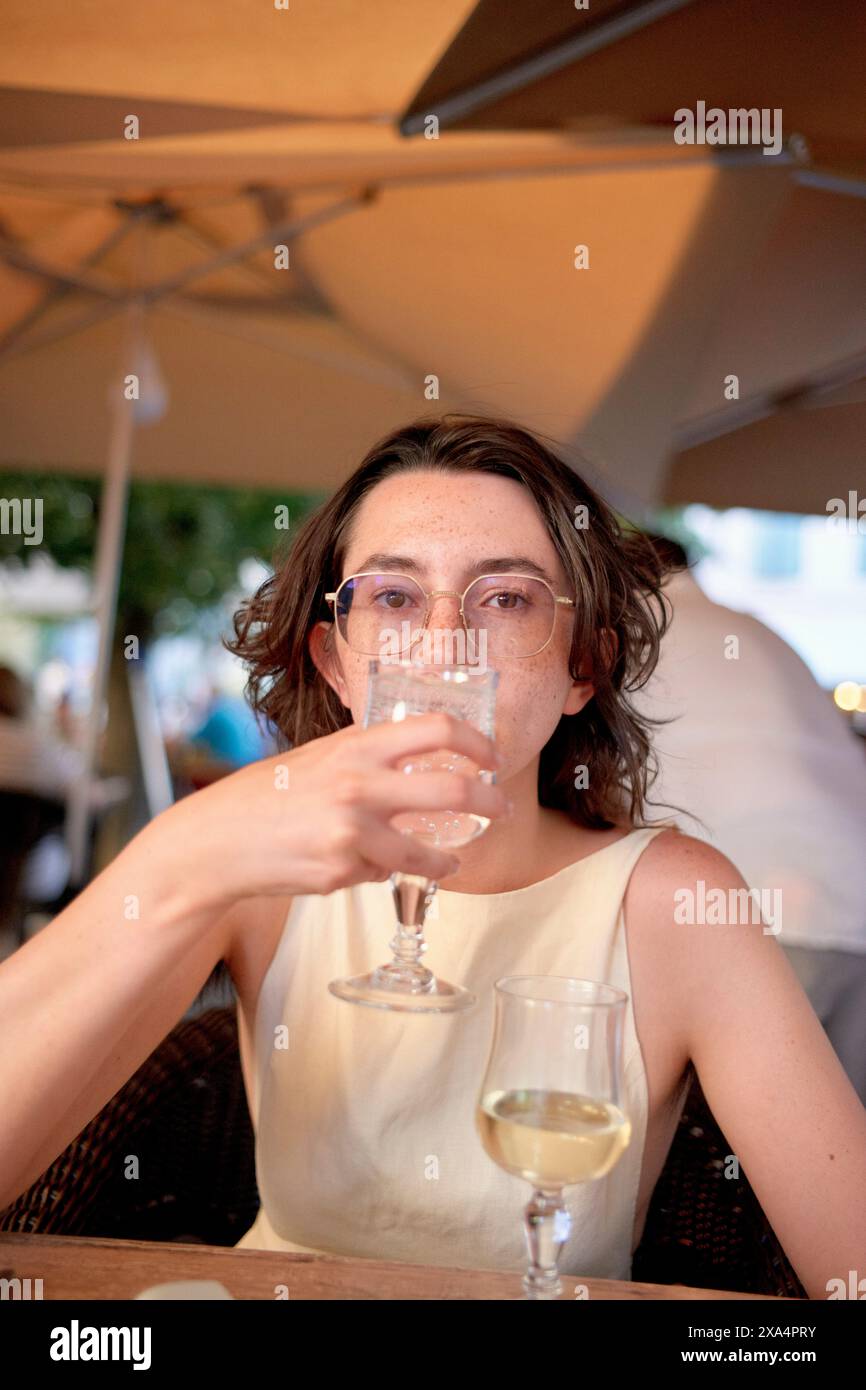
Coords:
pixel 616 575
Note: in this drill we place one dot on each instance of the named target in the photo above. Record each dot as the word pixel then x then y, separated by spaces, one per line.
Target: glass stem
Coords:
pixel 412 897
pixel 547 1224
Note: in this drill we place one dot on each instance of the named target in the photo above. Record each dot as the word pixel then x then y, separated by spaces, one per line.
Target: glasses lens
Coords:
pixel 514 613
pixel 377 613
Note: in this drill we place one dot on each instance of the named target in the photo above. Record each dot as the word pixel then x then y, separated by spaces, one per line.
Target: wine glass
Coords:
pixel 397 690
pixel 550 1107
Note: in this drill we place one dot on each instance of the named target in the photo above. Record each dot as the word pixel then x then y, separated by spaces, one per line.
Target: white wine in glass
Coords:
pixel 397 691
pixel 552 1138
pixel 550 1108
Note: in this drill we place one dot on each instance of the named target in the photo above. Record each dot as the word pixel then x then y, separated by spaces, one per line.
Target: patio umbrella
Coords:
pixel 301 283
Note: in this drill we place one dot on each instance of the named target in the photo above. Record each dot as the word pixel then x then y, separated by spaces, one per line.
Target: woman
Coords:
pixel 365 1138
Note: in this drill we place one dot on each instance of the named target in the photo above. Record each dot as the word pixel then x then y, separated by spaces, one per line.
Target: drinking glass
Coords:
pixel 550 1109
pixel 396 691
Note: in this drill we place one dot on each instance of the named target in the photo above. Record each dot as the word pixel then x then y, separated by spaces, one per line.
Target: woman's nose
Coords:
pixel 444 611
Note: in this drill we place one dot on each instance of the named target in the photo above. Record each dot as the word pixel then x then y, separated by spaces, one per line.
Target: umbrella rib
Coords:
pixel 801 392
pixel 163 289
pixel 828 182
pixel 396 377
pixel 552 59
pixel 289 232
pixel 21 259
pixel 81 279
pixel 56 291
pixel 684 157
pixel 78 325
pixel 203 236
pixel 720 159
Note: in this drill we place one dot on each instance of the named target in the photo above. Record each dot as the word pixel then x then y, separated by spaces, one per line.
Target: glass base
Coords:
pixel 544 1289
pixel 439 998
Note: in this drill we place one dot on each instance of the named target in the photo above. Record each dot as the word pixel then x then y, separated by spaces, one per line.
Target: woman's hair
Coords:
pixel 616 576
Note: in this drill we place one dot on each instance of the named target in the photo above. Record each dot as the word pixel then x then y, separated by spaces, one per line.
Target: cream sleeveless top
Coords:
pixel 366 1143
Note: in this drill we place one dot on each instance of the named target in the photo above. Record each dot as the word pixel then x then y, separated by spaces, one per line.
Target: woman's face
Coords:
pixel 453 526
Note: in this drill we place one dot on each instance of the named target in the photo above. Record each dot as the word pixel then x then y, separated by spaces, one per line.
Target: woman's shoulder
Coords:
pixel 673 869
pixel 673 859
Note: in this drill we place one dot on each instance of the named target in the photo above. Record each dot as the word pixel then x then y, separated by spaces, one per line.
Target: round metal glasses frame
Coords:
pixel 453 593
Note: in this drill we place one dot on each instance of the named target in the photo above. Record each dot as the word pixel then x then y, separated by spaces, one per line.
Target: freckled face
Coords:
pixel 447 522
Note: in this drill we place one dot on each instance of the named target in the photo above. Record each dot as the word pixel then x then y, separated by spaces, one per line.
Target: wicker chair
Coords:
pixel 184 1115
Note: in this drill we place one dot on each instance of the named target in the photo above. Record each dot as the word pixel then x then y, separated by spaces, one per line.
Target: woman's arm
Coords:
pixel 770 1075
pixel 89 998
pixel 85 1001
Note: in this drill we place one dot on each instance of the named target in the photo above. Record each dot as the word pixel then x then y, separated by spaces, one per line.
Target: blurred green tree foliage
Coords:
pixel 183 545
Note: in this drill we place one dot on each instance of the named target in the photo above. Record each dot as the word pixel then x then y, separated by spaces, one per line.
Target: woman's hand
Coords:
pixel 317 818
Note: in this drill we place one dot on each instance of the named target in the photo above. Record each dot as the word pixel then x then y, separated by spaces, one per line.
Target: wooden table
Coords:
pixel 73 1267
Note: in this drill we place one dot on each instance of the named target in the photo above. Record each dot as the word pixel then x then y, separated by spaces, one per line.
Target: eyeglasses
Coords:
pixel 516 613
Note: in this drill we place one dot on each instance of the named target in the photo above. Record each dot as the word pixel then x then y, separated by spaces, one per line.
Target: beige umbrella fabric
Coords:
pixel 450 259
pixel 791 321
pixel 461 267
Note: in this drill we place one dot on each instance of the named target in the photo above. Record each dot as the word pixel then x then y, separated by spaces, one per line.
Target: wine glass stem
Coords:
pixel 412 896
pixel 547 1223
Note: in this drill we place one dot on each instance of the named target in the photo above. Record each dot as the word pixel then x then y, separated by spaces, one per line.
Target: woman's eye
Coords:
pixel 392 597
pixel 508 606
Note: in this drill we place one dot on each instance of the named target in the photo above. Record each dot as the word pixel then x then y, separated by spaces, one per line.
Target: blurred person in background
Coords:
pixel 31 758
pixel 230 731
pixel 64 717
pixel 758 762
pixel 35 772
pixel 227 737
pixel 37 769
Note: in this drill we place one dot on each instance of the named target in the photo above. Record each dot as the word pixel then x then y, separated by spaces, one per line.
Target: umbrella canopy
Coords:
pixel 821 450
pixel 464 277
pixel 424 275
pixel 793 321
pixel 615 63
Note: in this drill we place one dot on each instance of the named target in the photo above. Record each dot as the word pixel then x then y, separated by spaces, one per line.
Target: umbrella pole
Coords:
pixel 109 552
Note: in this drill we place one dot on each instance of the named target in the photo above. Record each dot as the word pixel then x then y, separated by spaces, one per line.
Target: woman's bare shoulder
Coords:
pixel 674 852
pixel 672 860
pixel 673 871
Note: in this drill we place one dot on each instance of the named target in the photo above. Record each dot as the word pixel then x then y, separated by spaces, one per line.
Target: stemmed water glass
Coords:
pixel 396 691
pixel 550 1109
